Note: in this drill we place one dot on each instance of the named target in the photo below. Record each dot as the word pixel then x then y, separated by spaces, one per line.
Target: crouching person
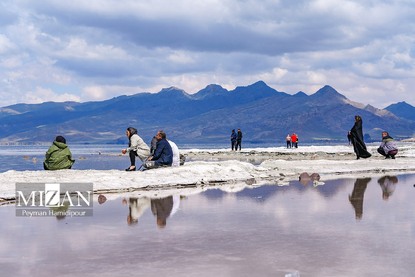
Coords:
pixel 387 148
pixel 163 154
pixel 58 155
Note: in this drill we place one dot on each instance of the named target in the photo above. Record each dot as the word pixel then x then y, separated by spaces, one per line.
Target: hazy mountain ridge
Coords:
pixel 263 113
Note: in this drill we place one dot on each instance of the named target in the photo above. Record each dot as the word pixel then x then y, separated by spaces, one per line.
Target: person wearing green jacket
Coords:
pixel 58 155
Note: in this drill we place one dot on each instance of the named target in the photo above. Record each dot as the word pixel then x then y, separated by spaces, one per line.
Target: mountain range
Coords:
pixel 264 115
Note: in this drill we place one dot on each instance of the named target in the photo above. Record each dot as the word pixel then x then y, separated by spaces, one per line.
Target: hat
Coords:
pixel 60 139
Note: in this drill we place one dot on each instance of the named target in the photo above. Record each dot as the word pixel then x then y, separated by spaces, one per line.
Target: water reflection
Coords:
pixel 136 208
pixel 258 231
pixel 356 198
pixel 161 208
pixel 388 184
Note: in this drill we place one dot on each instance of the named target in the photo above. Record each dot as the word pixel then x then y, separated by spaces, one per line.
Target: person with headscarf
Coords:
pixel 387 147
pixel 58 155
pixel 359 145
pixel 136 147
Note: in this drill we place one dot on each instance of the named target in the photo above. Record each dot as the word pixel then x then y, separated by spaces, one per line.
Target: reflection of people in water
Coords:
pixel 356 198
pixel 162 208
pixel 136 208
pixel 60 211
pixel 388 184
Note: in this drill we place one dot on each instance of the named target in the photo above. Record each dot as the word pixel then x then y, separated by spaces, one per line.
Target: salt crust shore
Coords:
pixel 224 169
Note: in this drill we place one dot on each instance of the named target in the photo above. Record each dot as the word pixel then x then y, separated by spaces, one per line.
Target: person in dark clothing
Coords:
pixel 163 154
pixel 359 145
pixel 238 140
pixel 153 145
pixel 233 139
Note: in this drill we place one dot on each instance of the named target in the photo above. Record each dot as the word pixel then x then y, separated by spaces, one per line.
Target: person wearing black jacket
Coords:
pixel 233 139
pixel 238 140
pixel 163 154
pixel 359 145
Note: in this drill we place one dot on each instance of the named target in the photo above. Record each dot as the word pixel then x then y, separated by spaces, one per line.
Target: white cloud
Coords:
pixel 92 48
pixel 39 95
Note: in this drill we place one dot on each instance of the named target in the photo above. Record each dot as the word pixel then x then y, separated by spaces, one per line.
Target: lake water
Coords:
pixel 101 157
pixel 347 227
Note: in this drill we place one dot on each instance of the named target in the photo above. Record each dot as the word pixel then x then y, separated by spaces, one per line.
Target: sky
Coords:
pixel 98 49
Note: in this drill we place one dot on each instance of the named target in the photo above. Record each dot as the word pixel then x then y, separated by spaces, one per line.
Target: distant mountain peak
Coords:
pixel 210 91
pixel 259 87
pixel 402 109
pixel 300 94
pixel 328 91
pixel 172 89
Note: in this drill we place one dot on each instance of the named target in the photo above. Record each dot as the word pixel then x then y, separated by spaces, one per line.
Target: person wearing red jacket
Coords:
pixel 294 140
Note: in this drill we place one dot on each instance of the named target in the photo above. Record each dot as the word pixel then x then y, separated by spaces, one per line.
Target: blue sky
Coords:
pixel 97 49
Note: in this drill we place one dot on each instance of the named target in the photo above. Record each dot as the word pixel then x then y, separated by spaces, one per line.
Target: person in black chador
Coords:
pixel 359 145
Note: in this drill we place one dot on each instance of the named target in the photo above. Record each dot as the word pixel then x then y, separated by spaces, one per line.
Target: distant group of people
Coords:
pixel 236 140
pixel 292 140
pixel 163 152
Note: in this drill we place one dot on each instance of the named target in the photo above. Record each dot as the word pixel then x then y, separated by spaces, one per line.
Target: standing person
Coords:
pixel 163 155
pixel 359 145
pixel 136 147
pixel 58 155
pixel 387 147
pixel 233 139
pixel 288 140
pixel 238 140
pixel 294 140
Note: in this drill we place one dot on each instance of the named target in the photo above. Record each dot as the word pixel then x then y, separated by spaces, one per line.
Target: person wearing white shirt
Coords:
pixel 176 153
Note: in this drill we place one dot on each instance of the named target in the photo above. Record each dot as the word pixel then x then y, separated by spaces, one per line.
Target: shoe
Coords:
pixel 130 169
pixel 393 157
